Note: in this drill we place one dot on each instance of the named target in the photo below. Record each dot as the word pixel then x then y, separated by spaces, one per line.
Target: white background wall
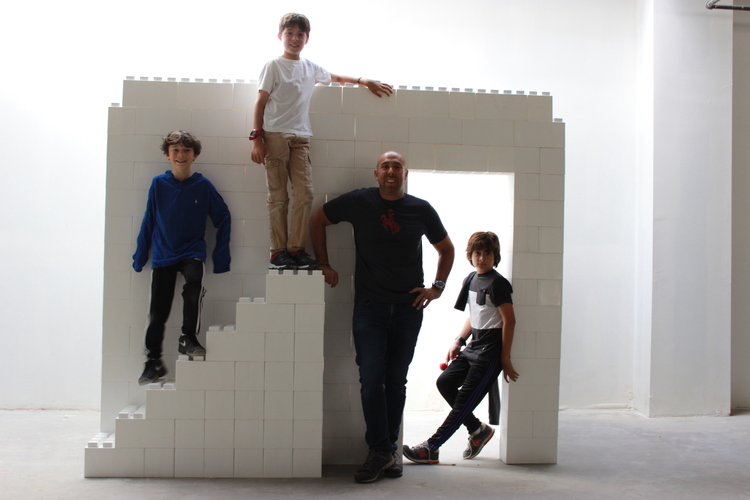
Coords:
pixel 64 63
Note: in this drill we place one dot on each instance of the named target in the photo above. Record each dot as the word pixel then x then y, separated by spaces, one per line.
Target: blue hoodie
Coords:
pixel 175 223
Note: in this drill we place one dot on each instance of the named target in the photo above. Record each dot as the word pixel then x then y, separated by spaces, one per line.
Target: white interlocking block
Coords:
pixel 340 155
pixel 359 101
pixel 308 405
pixel 248 405
pixel 144 433
pixel 280 376
pixel 551 239
pixel 261 318
pixel 114 462
pixel 488 133
pixel 248 463
pixel 308 434
pixel 219 405
pixel 248 434
pixel 466 158
pixel 524 344
pixel 308 347
pixel 277 463
pixel 167 404
pixel 552 161
pixel 204 96
pixel 340 369
pixel 545 424
pixel 233 346
pixel 518 160
pixel 334 179
pixel 96 441
pixel 140 413
pixel 435 130
pixel 149 94
pixel 501 107
pixel 279 347
pixel 462 105
pixel 548 345
pixel 294 289
pixel 189 433
pixel 188 462
pixel 382 128
pixel 278 434
pixel 526 187
pixel 333 127
pixel 127 412
pixel 325 99
pixel 121 120
pixel 279 405
pixel 537 266
pixel 539 135
pixel 159 121
pixel 218 122
pixel 219 434
pixel 529 451
pixel 532 397
pixel 517 423
pixel 307 463
pixel 538 371
pixel 539 319
pixel 243 96
pixel 550 292
pixel 249 376
pixel 552 187
pixel 539 108
pixel 308 376
pixel 218 462
pixel 432 104
pixel 159 462
pixel 309 318
pixel 208 375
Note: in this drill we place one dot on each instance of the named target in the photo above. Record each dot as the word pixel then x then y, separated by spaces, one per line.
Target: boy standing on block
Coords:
pixel 281 137
pixel 468 378
pixel 174 226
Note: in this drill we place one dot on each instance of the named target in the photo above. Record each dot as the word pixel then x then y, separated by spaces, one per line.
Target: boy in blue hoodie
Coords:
pixel 174 226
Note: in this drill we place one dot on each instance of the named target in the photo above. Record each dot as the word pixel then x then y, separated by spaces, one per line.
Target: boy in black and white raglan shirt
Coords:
pixel 471 372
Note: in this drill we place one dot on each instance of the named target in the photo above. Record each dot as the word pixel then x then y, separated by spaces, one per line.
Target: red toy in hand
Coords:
pixel 443 366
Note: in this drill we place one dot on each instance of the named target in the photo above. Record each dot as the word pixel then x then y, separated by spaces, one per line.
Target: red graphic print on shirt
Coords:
pixel 389 222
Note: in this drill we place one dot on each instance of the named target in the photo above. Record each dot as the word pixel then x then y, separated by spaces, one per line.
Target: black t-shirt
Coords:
pixel 388 236
pixel 485 293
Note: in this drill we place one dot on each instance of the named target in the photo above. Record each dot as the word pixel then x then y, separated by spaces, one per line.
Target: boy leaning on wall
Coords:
pixel 281 137
pixel 472 371
pixel 173 228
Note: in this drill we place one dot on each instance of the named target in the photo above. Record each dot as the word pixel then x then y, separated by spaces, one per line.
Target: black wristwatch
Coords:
pixel 440 285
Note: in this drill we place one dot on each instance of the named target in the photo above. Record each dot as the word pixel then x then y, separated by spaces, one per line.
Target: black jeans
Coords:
pixel 163 281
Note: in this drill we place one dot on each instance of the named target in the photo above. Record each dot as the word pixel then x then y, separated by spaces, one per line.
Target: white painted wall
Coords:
pixel 58 85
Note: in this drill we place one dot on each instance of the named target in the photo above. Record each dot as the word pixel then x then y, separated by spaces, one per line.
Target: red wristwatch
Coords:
pixel 255 134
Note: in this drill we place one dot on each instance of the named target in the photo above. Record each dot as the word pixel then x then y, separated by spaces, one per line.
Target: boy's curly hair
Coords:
pixel 181 136
pixel 294 19
pixel 486 241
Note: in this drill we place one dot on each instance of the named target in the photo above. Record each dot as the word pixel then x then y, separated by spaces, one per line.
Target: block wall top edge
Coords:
pixel 189 80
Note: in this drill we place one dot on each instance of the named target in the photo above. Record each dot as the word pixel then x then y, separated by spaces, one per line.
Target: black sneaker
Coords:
pixel 303 260
pixel 395 470
pixel 477 442
pixel 189 345
pixel 281 260
pixel 422 454
pixel 153 372
pixel 374 466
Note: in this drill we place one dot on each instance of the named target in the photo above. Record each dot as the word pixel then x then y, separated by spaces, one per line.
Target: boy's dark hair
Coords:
pixel 294 19
pixel 486 241
pixel 180 136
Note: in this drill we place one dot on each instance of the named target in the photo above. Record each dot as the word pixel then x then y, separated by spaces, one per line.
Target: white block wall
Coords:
pixel 253 408
pixel 448 130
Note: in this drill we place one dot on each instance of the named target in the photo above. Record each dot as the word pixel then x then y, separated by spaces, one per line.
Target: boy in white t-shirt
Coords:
pixel 281 138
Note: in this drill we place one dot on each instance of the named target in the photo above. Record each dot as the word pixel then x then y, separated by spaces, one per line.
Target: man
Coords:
pixel 389 295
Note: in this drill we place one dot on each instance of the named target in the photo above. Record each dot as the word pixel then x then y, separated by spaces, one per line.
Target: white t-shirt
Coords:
pixel 290 84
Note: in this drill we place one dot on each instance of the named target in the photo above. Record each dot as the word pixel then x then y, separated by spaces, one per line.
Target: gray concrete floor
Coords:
pixel 608 454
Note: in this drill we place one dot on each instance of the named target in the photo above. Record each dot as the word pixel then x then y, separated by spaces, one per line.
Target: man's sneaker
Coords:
pixel 374 466
pixel 281 260
pixel 303 260
pixel 153 372
pixel 422 454
pixel 189 345
pixel 395 470
pixel 477 441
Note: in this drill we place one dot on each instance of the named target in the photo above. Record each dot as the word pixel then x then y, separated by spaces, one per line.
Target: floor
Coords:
pixel 603 454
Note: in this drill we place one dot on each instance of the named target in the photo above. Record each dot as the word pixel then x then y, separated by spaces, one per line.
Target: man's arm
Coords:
pixel 444 265
pixel 318 223
pixel 373 86
pixel 259 147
